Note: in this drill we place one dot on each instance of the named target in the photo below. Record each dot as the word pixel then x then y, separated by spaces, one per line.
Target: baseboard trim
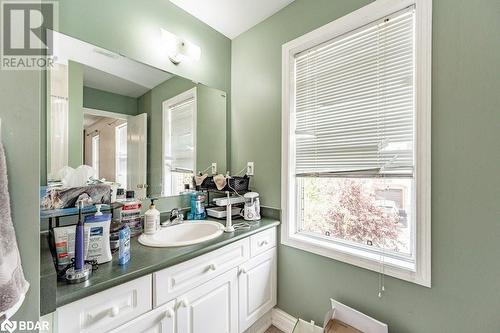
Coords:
pixel 282 320
pixel 262 324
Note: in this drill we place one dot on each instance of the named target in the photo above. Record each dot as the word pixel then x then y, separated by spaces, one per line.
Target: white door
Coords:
pixel 160 320
pixel 137 134
pixel 211 307
pixel 257 288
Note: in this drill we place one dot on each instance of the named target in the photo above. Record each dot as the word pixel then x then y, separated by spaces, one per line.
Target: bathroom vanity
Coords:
pixel 145 131
pixel 224 285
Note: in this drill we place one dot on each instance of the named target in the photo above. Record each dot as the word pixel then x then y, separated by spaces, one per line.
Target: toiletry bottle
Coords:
pixel 130 215
pixel 114 234
pixel 151 219
pixel 197 206
pixel 98 245
pixel 124 247
pixel 98 210
pixel 120 194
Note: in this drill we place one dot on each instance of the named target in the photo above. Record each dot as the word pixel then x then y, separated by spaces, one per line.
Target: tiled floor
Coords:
pixel 273 329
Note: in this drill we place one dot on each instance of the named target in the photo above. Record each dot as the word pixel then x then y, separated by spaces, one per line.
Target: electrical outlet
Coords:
pixel 214 168
pixel 250 169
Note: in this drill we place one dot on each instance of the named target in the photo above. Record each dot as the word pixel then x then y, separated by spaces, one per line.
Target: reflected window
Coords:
pixel 95 154
pixel 179 135
pixel 121 154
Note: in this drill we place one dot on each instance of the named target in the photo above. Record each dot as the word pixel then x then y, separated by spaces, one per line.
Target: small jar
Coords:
pixel 114 234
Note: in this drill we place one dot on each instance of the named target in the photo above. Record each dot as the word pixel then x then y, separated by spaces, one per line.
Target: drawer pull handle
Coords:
pixel 169 313
pixel 242 270
pixel 183 302
pixel 211 267
pixel 263 243
pixel 115 311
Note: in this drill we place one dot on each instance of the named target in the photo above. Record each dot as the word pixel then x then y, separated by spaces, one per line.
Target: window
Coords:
pixel 356 140
pixel 179 142
pixel 121 155
pixel 58 133
pixel 95 154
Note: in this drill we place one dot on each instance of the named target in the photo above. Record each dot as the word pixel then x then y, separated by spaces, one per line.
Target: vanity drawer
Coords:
pixel 262 242
pixel 176 280
pixel 108 309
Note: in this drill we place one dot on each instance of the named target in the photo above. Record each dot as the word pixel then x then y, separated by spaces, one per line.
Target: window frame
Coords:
pixel 166 105
pixel 117 155
pixel 421 272
pixel 96 151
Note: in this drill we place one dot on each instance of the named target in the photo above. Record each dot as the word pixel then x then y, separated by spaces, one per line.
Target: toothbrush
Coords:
pixel 79 241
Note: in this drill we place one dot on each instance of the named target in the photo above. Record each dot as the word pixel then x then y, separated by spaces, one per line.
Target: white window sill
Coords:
pixel 394 267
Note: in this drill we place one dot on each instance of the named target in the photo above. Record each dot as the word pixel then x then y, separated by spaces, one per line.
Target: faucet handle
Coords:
pixel 174 213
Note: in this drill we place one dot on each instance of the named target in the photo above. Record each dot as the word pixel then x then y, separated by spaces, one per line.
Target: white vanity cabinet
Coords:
pixel 211 307
pixel 108 309
pixel 223 291
pixel 159 320
pixel 257 288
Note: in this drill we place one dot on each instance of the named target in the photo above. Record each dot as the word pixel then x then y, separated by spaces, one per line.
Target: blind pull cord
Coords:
pixel 381 276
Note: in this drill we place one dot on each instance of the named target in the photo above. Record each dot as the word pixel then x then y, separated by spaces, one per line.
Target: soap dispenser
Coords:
pixel 151 219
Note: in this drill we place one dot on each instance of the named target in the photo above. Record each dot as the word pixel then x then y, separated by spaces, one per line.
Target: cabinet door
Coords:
pixel 211 307
pixel 160 320
pixel 257 288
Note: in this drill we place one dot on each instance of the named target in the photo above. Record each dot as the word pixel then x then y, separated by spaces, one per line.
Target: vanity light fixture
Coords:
pixel 106 53
pixel 179 49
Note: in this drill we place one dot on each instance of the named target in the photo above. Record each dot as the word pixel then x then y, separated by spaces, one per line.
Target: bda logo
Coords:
pixel 8 326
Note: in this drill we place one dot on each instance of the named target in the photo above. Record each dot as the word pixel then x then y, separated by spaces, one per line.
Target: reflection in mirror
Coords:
pixel 140 127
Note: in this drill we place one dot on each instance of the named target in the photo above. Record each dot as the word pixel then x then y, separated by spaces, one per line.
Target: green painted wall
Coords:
pixel 75 114
pixel 465 117
pixel 107 101
pixel 20 104
pixel 151 103
pixel 132 28
pixel 211 128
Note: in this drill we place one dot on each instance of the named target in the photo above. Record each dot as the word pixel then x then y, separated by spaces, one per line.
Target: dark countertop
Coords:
pixel 145 260
pixel 48 276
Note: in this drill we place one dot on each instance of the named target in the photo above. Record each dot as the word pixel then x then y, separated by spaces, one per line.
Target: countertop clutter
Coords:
pixel 145 260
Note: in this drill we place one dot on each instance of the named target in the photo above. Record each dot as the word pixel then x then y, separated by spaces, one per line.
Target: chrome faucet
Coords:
pixel 176 217
pixel 229 209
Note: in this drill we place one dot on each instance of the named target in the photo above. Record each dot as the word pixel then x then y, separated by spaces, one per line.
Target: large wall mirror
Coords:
pixel 143 128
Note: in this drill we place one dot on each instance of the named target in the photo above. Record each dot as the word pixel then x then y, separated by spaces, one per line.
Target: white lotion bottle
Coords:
pixel 151 219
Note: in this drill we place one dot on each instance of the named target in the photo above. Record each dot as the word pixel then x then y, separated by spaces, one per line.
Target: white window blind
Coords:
pixel 354 101
pixel 121 155
pixel 58 133
pixel 179 154
pixel 95 154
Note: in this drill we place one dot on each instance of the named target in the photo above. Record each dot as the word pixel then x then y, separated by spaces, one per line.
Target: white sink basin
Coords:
pixel 187 233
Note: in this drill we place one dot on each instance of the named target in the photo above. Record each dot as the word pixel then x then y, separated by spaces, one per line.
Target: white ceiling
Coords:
pixel 106 70
pixel 89 120
pixel 232 17
pixel 97 79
